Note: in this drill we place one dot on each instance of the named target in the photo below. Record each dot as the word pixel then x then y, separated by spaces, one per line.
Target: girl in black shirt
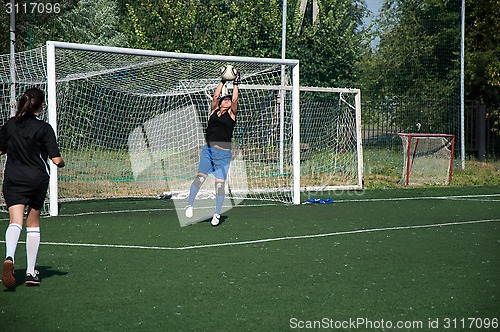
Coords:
pixel 28 141
pixel 216 154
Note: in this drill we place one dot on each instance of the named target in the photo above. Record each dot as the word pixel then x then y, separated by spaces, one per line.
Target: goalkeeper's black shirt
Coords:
pixel 28 144
pixel 220 130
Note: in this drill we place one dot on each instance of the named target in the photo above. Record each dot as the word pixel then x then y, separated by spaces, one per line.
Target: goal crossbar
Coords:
pixel 165 54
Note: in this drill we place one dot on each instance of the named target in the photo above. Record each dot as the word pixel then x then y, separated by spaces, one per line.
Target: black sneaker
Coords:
pixel 8 278
pixel 32 280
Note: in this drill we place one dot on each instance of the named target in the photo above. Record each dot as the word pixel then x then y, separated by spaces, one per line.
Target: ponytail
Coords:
pixel 30 102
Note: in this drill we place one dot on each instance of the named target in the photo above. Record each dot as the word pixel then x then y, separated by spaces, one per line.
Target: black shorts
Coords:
pixel 27 192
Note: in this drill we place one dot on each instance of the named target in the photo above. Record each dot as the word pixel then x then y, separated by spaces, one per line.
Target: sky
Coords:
pixel 374 5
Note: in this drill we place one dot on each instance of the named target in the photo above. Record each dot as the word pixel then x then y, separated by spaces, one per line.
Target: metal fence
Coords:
pixel 382 121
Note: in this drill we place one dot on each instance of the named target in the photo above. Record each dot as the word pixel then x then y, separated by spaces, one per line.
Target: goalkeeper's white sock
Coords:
pixel 12 235
pixel 195 187
pixel 32 244
pixel 219 200
pixel 219 196
pixel 193 191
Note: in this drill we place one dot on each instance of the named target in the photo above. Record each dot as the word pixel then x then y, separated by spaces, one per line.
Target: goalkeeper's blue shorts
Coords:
pixel 216 161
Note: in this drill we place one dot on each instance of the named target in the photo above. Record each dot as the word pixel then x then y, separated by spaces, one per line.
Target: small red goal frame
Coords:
pixel 411 155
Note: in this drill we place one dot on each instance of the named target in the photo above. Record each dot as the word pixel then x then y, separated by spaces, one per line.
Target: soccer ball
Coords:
pixel 228 73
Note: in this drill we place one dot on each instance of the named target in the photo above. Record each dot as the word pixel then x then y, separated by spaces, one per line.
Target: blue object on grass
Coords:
pixel 320 201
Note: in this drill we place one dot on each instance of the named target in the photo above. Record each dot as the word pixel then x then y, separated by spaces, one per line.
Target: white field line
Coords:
pixel 462 197
pixel 146 210
pixel 474 199
pixel 284 238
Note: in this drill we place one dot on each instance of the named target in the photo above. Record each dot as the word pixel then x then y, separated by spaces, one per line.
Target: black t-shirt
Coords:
pixel 220 130
pixel 28 144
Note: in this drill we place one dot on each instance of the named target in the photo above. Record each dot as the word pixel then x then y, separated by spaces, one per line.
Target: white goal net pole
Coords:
pixel 296 134
pixel 359 140
pixel 52 119
pixel 12 65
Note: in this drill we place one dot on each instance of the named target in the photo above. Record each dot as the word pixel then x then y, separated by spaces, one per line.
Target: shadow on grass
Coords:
pixel 44 272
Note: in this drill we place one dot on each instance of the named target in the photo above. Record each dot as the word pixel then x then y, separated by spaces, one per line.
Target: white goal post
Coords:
pixel 130 123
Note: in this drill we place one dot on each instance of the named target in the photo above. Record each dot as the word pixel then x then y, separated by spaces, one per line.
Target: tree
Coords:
pixel 244 28
pixel 4 31
pixel 78 21
pixel 88 21
pixel 329 48
pixel 414 71
pixel 161 25
pixel 482 54
pixel 418 53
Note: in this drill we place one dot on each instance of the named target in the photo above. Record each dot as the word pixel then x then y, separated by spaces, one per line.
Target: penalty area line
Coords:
pixel 80 214
pixel 284 238
pixel 418 198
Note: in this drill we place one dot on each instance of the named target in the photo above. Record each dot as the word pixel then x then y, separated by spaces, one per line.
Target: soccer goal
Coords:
pixel 331 150
pixel 428 158
pixel 130 123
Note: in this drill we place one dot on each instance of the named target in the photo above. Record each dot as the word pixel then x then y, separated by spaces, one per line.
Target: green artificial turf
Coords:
pixel 419 255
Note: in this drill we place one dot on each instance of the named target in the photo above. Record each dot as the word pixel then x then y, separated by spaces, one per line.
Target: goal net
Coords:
pixel 330 139
pixel 428 158
pixel 130 123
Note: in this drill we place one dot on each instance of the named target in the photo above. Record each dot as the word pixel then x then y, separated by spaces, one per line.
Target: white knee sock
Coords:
pixel 32 244
pixel 12 235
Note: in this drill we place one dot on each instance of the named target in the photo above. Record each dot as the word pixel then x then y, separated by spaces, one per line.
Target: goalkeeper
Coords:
pixel 216 153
